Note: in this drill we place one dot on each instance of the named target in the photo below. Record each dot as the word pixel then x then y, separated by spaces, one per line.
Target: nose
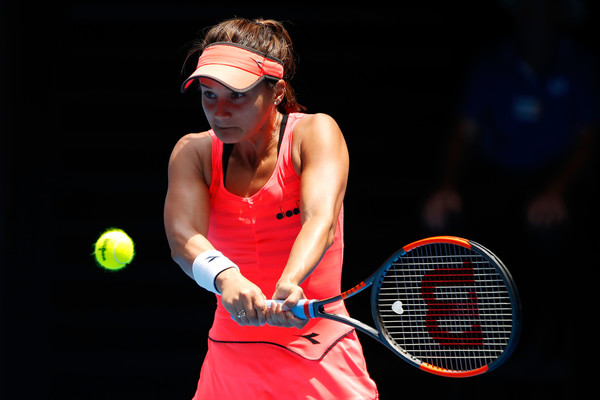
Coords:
pixel 222 110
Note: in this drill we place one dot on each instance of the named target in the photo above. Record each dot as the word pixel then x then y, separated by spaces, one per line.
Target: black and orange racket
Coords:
pixel 444 304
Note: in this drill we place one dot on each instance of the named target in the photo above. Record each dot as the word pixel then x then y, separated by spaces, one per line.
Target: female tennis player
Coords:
pixel 254 211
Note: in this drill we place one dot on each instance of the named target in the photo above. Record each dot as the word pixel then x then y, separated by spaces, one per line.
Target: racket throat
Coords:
pixel 349 320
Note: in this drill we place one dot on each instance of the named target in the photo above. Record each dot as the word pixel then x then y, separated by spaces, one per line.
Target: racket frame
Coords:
pixel 316 308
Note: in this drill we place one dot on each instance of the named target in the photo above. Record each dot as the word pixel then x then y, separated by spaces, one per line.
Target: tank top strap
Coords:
pixel 287 139
pixel 220 152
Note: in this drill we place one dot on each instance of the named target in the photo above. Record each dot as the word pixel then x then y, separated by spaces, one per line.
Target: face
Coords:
pixel 237 116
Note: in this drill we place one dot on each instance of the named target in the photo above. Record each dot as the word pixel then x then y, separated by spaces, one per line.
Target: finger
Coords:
pixel 261 312
pixel 277 315
pixel 247 305
pixel 289 320
pixel 290 303
pixel 297 322
pixel 292 300
pixel 272 318
pixel 256 313
pixel 239 317
pixel 251 318
pixel 286 319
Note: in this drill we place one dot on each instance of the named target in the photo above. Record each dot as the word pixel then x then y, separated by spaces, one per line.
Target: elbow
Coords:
pixel 178 253
pixel 176 240
pixel 175 252
pixel 174 255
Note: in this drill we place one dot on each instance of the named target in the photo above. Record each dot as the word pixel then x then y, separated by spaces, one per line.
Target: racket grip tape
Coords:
pixel 302 310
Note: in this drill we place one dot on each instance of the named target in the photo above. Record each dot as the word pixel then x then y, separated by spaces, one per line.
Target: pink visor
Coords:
pixel 235 66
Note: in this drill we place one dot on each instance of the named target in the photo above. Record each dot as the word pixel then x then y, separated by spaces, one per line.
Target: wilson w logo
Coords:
pixel 452 317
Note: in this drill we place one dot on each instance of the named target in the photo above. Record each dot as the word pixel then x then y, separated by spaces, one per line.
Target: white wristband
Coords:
pixel 207 266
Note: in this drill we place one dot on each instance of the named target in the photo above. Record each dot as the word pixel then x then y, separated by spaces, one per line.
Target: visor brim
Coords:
pixel 233 78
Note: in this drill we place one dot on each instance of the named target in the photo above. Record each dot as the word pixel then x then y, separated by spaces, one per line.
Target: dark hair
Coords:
pixel 266 36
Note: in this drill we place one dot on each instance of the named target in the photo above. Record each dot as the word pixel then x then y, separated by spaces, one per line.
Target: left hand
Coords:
pixel 279 314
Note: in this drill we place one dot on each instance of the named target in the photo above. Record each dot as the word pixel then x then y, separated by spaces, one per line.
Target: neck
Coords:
pixel 253 151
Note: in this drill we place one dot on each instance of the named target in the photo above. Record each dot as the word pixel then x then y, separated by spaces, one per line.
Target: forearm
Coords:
pixel 186 245
pixel 195 255
pixel 315 237
pixel 186 226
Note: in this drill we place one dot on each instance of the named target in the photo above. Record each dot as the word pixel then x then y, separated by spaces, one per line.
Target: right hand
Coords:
pixel 279 314
pixel 237 294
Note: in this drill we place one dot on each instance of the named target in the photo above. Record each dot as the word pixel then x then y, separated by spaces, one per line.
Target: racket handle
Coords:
pixel 303 309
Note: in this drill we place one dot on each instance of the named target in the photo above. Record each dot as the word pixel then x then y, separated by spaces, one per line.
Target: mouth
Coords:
pixel 227 134
pixel 223 127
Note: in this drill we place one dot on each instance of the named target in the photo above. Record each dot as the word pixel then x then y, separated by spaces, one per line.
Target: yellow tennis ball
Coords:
pixel 114 249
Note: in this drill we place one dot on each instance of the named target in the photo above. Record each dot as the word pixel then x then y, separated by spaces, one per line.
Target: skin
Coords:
pixel 250 120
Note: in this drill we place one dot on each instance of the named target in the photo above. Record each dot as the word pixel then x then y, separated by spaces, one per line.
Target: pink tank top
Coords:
pixel 257 233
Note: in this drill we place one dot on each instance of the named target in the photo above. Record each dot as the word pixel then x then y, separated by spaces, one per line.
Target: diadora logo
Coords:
pixel 311 338
pixel 289 213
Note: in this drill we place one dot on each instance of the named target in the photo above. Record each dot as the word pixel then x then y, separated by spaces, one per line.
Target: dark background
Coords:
pixel 90 110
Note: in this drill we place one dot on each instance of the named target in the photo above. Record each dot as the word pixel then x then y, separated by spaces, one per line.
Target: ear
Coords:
pixel 279 92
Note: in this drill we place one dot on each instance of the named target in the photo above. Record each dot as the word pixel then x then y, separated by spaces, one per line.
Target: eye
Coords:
pixel 237 95
pixel 208 94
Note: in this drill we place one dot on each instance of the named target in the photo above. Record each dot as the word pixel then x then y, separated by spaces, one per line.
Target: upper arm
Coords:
pixel 323 163
pixel 187 202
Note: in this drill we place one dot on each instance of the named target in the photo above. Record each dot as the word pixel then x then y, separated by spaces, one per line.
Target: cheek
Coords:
pixel 249 112
pixel 208 113
pixel 259 109
pixel 207 105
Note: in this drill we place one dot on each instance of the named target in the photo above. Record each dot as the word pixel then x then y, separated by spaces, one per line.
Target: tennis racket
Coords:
pixel 444 304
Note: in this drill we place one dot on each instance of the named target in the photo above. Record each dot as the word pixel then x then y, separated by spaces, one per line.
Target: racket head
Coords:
pixel 448 306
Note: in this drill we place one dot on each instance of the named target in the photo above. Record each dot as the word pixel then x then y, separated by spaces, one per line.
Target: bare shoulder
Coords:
pixel 320 124
pixel 317 136
pixel 192 145
pixel 192 142
pixel 194 151
pixel 317 130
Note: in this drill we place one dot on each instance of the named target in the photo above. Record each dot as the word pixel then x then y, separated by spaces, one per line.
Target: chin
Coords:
pixel 227 135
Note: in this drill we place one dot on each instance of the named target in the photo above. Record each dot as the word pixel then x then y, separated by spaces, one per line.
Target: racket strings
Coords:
pixel 445 305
